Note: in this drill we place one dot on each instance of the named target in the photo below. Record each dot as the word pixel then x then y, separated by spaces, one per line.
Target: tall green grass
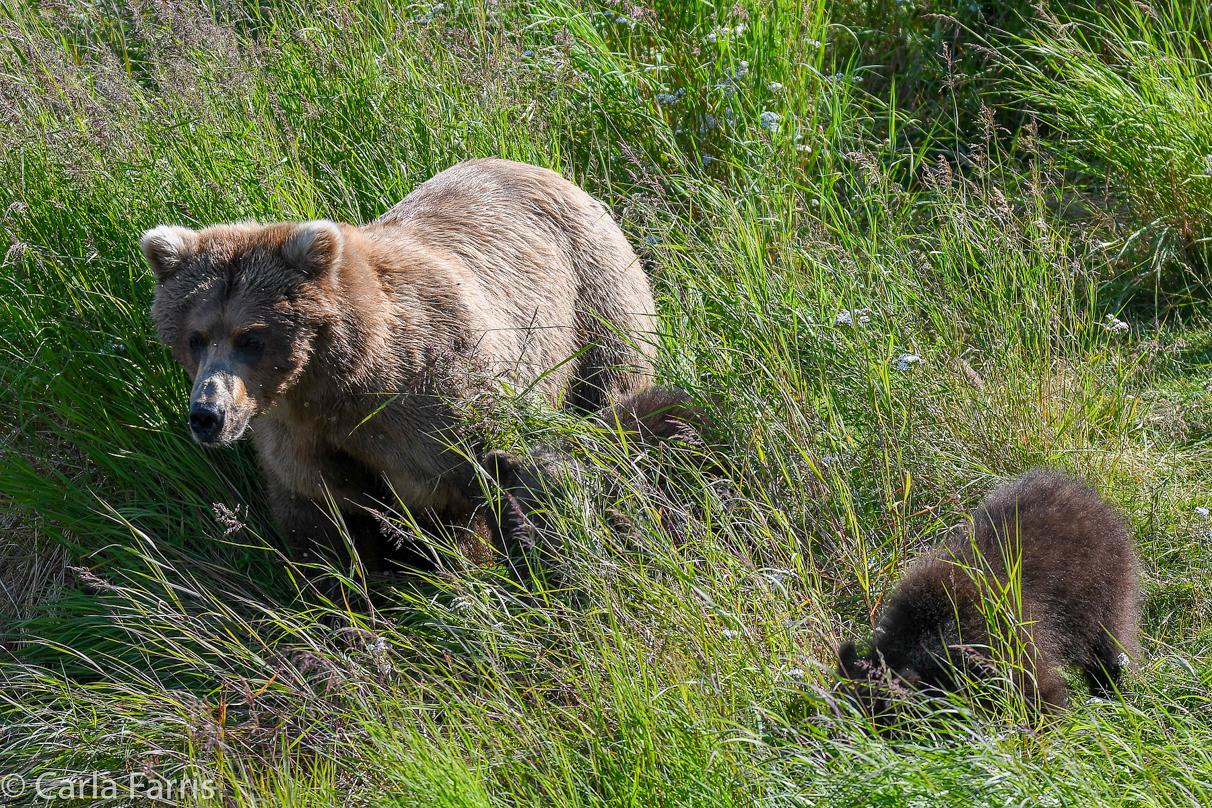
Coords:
pixel 1127 91
pixel 802 252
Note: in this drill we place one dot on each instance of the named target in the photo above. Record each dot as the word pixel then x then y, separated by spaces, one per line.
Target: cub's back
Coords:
pixel 1079 571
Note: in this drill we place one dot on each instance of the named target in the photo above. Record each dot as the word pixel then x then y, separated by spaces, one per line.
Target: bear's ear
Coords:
pixel 848 661
pixel 511 526
pixel 314 247
pixel 502 467
pixel 166 247
pixel 971 663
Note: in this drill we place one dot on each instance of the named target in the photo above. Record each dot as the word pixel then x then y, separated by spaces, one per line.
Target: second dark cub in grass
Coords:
pixel 525 488
pixel 1078 596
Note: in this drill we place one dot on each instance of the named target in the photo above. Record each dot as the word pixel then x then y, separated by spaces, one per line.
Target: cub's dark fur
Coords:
pixel 1079 595
pixel 526 487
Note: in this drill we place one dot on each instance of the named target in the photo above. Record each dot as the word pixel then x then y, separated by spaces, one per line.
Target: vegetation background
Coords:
pixel 903 251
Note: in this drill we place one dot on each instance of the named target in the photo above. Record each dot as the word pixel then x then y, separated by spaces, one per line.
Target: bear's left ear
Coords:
pixel 166 247
pixel 314 247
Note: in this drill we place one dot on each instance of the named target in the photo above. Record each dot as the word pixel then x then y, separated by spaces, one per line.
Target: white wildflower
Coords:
pixel 378 654
pixel 666 99
pixel 906 361
pixel 1202 512
pixel 724 31
pixel 428 16
pixel 793 675
pixel 844 317
pixel 730 633
pixel 774 87
pixel 770 121
pixel 1115 325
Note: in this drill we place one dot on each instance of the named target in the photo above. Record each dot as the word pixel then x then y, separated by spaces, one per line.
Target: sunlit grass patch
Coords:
pixel 883 317
pixel 1126 88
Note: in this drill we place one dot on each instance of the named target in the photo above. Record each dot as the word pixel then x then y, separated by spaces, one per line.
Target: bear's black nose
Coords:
pixel 206 421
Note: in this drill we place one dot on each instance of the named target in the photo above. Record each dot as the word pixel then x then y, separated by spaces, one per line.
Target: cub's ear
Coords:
pixel 971 663
pixel 511 526
pixel 848 661
pixel 314 247
pixel 166 247
pixel 503 467
pixel 908 676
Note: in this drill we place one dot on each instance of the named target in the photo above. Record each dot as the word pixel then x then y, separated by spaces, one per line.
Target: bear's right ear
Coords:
pixel 502 466
pixel 314 247
pixel 166 247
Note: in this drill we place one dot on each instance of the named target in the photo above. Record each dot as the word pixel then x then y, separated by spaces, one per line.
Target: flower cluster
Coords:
pixel 849 318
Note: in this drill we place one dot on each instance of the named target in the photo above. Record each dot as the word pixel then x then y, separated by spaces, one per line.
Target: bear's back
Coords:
pixel 557 295
pixel 1078 568
pixel 498 206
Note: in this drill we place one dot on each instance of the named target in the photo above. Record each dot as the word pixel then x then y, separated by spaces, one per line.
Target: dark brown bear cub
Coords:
pixel 524 489
pixel 1070 597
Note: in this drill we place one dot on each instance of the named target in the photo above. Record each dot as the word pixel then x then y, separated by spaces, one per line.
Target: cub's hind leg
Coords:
pixel 1105 670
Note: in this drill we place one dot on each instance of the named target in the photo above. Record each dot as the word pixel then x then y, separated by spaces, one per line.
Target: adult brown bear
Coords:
pixel 349 350
pixel 1046 577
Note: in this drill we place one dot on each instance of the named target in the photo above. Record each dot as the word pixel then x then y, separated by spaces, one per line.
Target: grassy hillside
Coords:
pixel 902 251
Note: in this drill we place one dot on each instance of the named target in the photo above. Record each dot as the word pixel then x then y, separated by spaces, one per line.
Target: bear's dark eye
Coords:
pixel 249 344
pixel 196 342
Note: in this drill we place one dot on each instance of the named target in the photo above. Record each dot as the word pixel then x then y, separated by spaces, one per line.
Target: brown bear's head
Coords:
pixel 240 306
pixel 908 666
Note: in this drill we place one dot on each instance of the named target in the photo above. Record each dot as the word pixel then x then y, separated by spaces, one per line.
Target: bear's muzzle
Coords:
pixel 219 408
